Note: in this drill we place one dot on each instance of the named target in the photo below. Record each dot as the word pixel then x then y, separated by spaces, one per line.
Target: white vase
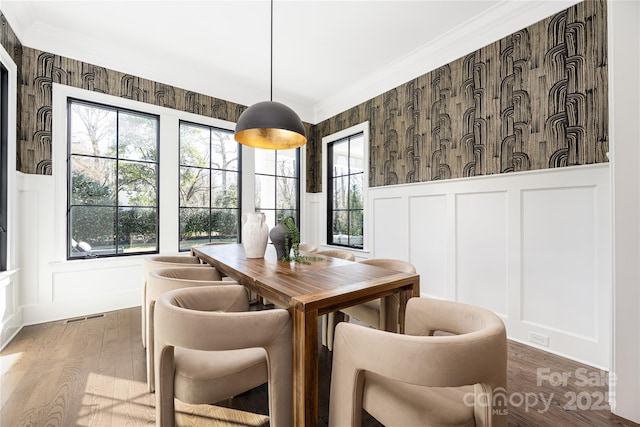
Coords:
pixel 255 234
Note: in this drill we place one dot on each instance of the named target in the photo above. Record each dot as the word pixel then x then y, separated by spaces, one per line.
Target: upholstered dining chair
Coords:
pixel 326 319
pixel 336 253
pixel 156 262
pixel 168 279
pixel 449 368
pixel 380 313
pixel 209 348
pixel 307 248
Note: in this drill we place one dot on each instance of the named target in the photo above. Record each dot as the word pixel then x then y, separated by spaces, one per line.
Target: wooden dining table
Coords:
pixel 308 290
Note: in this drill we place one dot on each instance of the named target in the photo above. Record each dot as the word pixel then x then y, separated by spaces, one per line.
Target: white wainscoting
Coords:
pixel 534 247
pixel 10 308
pixel 53 288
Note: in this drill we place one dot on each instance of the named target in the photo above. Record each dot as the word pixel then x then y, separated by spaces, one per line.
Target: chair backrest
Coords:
pixel 215 300
pixel 174 259
pixel 166 279
pixel 476 353
pixel 307 247
pixel 188 273
pixel 391 264
pixel 156 262
pixel 223 311
pixel 478 334
pixel 337 253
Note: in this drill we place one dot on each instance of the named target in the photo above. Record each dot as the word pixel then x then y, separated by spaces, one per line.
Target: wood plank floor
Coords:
pixel 92 373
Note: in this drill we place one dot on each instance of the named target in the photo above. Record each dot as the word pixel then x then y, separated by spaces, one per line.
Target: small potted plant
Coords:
pixel 286 237
pixel 292 239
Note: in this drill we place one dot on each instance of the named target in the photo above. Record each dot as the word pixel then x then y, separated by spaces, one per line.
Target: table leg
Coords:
pixel 305 368
pixel 404 296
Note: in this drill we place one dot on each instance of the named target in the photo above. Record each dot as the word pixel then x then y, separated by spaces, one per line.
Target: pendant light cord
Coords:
pixel 271 58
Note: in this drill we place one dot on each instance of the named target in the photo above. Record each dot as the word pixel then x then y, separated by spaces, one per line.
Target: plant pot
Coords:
pixel 255 233
pixel 278 234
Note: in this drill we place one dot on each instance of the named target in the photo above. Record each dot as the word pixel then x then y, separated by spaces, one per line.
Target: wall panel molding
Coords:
pixel 481 249
pixel 534 247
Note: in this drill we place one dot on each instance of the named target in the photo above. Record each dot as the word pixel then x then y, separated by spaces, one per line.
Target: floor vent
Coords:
pixel 83 318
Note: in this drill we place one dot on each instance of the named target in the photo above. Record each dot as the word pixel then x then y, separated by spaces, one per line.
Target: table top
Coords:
pixel 325 284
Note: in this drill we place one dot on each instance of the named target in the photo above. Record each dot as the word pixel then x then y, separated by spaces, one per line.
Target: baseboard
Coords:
pixel 11 328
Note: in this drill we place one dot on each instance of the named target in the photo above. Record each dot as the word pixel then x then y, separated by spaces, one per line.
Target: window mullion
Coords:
pixel 275 184
pixel 210 222
pixel 117 195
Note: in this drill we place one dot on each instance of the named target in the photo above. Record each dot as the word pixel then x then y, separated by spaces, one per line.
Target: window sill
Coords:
pixel 8 274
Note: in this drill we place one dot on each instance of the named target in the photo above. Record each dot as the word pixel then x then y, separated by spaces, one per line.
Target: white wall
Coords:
pixel 10 281
pixel 533 247
pixel 54 288
pixel 624 128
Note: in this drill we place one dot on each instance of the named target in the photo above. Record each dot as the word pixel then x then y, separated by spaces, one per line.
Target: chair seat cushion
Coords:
pixel 212 376
pixel 399 404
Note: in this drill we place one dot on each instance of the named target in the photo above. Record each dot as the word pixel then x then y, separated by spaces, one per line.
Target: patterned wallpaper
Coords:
pixel 41 69
pixel 536 99
pixel 38 70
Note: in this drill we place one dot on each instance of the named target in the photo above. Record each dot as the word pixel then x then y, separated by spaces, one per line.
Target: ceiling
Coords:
pixel 327 55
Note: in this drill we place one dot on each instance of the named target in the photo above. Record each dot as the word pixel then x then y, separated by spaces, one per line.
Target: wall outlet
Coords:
pixel 539 339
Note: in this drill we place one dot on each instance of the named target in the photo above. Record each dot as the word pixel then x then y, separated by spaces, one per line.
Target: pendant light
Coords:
pixel 270 124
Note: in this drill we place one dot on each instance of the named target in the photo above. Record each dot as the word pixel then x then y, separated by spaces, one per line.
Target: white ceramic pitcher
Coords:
pixel 255 234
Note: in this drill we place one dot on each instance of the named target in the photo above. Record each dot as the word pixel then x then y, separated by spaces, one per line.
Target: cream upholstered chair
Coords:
pixel 168 279
pixel 380 313
pixel 307 248
pixel 418 378
pixel 156 262
pixel 329 319
pixel 336 253
pixel 208 348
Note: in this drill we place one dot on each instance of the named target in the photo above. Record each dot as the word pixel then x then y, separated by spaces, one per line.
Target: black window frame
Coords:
pixel 330 193
pixel 4 166
pixel 211 207
pixel 276 210
pixel 117 253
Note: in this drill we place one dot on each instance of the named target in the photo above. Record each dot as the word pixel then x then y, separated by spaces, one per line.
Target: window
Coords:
pixel 209 185
pixel 4 165
pixel 277 184
pixel 345 191
pixel 112 181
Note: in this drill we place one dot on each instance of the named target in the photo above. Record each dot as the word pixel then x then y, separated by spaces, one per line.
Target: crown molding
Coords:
pixel 503 19
pixel 17 14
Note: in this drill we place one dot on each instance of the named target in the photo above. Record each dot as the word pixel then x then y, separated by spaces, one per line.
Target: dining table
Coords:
pixel 309 289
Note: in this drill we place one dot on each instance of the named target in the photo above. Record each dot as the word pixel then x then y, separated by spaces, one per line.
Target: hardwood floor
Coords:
pixel 92 373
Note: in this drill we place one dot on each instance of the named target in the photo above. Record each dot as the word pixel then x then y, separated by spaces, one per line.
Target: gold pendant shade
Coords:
pixel 270 125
